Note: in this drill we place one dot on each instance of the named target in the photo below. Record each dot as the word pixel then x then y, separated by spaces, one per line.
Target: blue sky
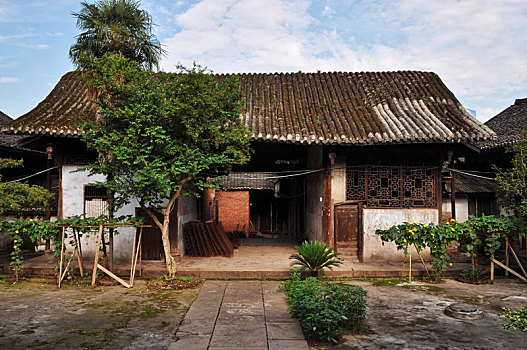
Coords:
pixel 478 47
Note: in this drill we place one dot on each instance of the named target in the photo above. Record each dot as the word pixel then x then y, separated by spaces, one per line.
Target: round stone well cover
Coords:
pixel 463 311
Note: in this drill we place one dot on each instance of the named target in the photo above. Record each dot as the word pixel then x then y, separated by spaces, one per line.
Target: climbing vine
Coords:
pixel 486 234
pixel 34 231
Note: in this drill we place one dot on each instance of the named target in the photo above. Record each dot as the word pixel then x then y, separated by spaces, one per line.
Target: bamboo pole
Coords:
pixel 404 263
pixel 133 255
pixel 61 255
pixel 140 259
pixel 517 260
pixel 136 255
pixel 112 275
pixel 424 265
pixel 96 260
pixel 410 269
pixel 80 252
pixel 511 271
pixel 507 255
pixel 79 255
pixel 65 270
pixel 492 266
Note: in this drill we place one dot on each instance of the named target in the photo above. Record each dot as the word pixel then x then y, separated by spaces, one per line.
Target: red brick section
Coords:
pixel 233 210
pixel 455 255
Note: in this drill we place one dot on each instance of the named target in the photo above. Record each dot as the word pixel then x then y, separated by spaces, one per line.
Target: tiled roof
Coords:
pixel 508 125
pixel 344 108
pixel 4 119
pixel 9 141
pixel 466 183
pixel 250 181
pixel 60 113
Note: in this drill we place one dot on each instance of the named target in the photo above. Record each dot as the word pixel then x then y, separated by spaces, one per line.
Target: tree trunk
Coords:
pixel 170 261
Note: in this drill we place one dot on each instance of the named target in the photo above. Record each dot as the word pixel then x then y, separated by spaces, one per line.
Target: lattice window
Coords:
pixel 355 184
pixel 384 187
pixel 418 188
pixel 391 187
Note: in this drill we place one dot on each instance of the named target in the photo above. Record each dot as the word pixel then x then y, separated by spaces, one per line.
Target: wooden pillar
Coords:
pixel 49 164
pixel 60 199
pixel 326 205
pixel 453 194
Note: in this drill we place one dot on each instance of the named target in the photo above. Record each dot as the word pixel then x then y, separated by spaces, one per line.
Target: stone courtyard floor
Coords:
pixel 412 316
pixel 35 314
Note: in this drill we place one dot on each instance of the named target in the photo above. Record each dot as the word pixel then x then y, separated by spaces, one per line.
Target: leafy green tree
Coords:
pixel 160 135
pixel 15 196
pixel 512 183
pixel 117 26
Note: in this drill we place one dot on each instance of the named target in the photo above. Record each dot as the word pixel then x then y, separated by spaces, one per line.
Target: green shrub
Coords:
pixel 517 319
pixel 314 256
pixel 351 303
pixel 325 310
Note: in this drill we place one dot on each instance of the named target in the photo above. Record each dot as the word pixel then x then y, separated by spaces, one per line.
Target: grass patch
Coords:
pixel 166 282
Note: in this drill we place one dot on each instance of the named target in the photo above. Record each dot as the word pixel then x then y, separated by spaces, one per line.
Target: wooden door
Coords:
pixel 151 246
pixel 347 229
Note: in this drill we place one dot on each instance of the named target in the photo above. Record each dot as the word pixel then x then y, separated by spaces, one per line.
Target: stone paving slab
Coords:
pixel 239 315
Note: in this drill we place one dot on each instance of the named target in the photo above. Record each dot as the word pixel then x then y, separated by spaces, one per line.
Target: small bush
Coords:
pixel 325 310
pixel 517 319
pixel 314 256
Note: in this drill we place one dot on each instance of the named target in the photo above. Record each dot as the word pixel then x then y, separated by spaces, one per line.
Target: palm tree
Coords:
pixel 118 26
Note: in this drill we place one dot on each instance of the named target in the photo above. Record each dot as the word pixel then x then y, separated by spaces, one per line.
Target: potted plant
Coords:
pixel 314 256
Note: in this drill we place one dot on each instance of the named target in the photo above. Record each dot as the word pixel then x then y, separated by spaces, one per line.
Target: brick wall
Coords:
pixel 455 254
pixel 233 210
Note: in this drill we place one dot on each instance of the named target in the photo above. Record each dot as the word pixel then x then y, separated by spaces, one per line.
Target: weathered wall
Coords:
pixel 338 192
pixel 187 211
pixel 314 185
pixel 73 204
pixel 374 219
pixel 233 210
pixel 461 208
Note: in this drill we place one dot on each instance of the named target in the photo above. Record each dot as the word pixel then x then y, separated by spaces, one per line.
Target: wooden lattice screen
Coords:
pixel 392 187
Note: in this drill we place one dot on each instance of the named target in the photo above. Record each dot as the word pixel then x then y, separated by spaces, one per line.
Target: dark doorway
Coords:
pixel 347 230
pixel 152 246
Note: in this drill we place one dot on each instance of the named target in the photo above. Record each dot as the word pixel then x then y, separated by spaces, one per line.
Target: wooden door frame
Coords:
pixel 360 231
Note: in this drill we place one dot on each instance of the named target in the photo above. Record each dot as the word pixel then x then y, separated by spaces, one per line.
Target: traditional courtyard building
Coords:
pixel 336 156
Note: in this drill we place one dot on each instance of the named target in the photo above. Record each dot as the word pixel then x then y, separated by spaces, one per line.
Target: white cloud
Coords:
pixel 6 80
pixel 478 47
pixel 35 46
pixel 327 11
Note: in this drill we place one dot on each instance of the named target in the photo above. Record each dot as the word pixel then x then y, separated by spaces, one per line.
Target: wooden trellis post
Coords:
pixel 61 256
pixel 96 261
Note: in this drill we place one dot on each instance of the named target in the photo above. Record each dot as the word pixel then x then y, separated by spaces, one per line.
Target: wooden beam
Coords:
pixel 112 275
pixel 510 270
pixel 96 260
pixel 61 256
pixel 517 260
pixel 133 255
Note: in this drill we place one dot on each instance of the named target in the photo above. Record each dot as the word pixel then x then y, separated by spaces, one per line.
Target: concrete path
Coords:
pixel 239 315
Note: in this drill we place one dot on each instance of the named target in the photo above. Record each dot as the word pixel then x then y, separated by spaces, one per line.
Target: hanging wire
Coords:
pixel 473 175
pixel 29 176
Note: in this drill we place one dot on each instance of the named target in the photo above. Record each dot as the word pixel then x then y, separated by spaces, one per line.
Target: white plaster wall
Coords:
pixel 73 197
pixel 374 219
pixel 187 211
pixel 461 208
pixel 73 191
pixel 338 180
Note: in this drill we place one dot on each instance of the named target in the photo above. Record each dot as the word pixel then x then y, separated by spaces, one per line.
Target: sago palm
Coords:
pixel 117 26
pixel 314 256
